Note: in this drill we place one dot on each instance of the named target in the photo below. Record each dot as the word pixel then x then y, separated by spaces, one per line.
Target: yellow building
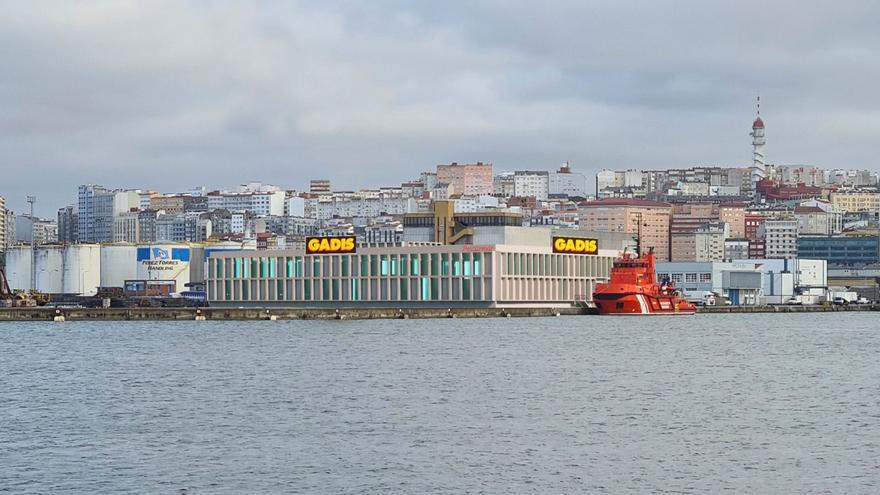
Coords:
pixel 856 201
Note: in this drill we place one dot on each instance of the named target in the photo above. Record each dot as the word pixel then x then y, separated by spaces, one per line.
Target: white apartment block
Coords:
pixel 780 237
pixel 531 183
pixel 365 207
pixel 258 203
pixel 572 184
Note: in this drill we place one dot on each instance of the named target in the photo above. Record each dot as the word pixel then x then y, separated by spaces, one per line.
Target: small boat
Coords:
pixel 634 290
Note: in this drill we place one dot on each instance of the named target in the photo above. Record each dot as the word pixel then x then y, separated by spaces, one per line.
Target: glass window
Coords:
pixel 456 264
pixel 435 288
pixel 466 261
pixel 415 264
pixel 236 267
pixel 325 293
pixel 374 265
pixel 477 258
pixel 365 265
pixel 444 264
pixel 425 270
pixel 316 266
pixel 404 262
pixel 425 289
pixel 385 265
pixel 394 264
pixel 690 278
pixel 404 285
pixel 273 267
pixel 345 260
pixel 279 294
pixel 289 267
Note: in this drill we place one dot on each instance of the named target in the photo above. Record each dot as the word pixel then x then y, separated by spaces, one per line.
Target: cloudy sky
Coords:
pixel 172 94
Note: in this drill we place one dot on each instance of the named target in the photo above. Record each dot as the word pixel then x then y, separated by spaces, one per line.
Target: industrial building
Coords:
pixel 409 275
pixel 83 268
pixel 750 282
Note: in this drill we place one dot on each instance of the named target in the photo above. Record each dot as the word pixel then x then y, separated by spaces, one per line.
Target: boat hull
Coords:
pixel 641 304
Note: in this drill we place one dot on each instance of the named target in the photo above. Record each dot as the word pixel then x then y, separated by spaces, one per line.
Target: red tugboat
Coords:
pixel 634 289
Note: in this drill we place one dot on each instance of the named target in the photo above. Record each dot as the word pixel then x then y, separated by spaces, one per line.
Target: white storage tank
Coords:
pixel 165 262
pixel 118 264
pixel 82 269
pixel 50 267
pixel 49 262
pixel 18 267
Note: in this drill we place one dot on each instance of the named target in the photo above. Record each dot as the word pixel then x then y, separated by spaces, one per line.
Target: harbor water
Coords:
pixel 751 403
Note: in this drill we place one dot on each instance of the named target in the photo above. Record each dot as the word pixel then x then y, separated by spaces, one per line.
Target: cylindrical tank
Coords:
pixel 118 264
pixel 47 259
pixel 50 268
pixel 18 267
pixel 165 262
pixel 82 269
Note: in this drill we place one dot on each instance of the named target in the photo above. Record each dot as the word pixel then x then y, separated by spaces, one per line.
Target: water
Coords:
pixel 739 403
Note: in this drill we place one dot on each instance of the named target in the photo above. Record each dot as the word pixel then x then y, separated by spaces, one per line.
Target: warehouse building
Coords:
pixel 547 273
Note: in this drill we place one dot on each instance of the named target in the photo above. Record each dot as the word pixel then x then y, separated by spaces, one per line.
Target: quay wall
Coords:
pixel 220 314
pixel 123 314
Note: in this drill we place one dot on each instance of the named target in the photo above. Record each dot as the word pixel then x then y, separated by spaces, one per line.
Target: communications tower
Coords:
pixel 758 142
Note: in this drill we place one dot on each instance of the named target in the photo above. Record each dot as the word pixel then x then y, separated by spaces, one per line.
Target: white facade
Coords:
pixel 74 269
pixel 296 207
pixel 365 207
pixel 259 203
pixel 571 184
pixel 469 204
pixel 531 183
pixel 780 237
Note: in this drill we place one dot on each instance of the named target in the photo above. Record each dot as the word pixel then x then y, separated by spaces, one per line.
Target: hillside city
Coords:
pixel 699 214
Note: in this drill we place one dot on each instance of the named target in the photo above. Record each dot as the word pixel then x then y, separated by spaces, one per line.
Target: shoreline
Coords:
pixel 255 314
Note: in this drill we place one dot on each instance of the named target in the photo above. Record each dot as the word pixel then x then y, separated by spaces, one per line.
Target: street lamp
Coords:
pixel 31 200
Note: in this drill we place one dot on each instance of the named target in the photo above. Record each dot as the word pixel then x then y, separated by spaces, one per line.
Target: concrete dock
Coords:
pixel 220 314
pixel 181 314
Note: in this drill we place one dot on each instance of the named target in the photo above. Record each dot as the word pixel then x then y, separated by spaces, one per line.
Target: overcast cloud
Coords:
pixel 172 94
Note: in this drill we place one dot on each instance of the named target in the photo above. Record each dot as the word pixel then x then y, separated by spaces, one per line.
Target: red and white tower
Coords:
pixel 758 142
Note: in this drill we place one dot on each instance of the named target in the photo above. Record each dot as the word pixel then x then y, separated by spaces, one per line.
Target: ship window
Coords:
pixel 690 278
pixel 675 277
pixel 705 277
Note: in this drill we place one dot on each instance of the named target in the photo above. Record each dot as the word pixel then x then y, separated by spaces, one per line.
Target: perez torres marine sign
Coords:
pixel 575 245
pixel 331 245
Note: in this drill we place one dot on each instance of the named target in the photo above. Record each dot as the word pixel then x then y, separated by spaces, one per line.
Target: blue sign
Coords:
pixel 146 254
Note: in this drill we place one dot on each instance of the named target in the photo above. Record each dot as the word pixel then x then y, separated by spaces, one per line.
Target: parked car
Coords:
pixel 793 301
pixel 863 300
pixel 839 301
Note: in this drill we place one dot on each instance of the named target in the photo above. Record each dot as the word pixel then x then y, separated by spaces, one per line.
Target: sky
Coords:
pixel 169 95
